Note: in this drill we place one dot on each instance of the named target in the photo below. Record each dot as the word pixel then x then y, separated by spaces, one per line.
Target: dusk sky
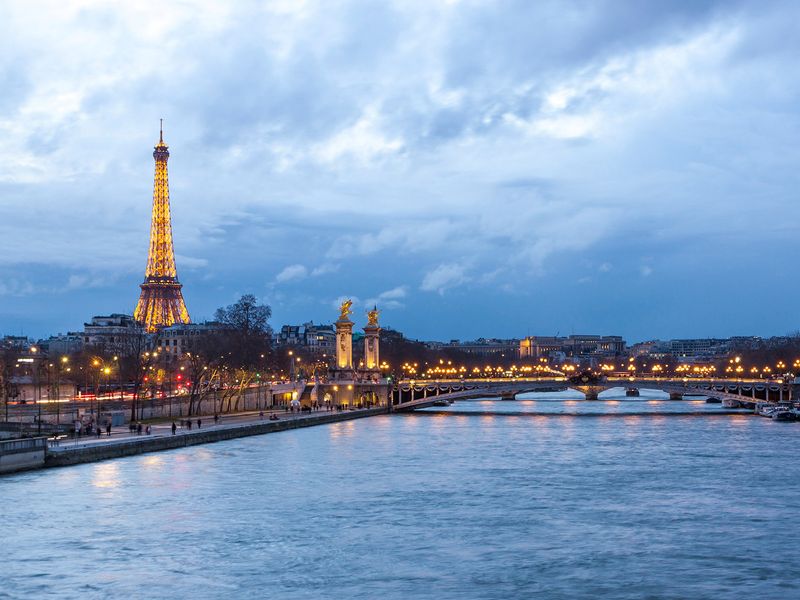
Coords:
pixel 475 168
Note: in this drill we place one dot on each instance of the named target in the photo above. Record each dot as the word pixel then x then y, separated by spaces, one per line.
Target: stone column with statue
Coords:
pixel 344 339
pixel 371 341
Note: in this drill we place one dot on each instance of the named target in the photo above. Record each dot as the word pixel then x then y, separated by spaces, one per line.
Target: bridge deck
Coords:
pixel 495 388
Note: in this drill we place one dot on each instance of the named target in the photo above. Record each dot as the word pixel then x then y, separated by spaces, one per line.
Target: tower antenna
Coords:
pixel 161 130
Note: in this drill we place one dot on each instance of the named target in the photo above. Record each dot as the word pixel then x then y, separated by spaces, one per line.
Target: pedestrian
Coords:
pixel 108 428
pixel 99 430
pixel 174 428
pixel 261 415
pixel 147 430
pixel 216 418
pixel 199 423
pixel 189 424
pixel 138 429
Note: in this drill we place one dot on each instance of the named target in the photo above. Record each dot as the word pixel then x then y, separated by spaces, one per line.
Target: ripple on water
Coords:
pixel 413 506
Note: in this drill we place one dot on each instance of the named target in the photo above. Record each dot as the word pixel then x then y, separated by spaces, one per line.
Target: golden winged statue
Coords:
pixel 344 309
pixel 372 317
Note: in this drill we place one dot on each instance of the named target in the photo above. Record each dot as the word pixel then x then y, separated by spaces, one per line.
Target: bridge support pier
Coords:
pixel 508 397
pixel 676 395
pixel 590 391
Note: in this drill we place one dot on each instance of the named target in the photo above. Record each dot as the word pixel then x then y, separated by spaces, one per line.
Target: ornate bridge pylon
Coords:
pixel 161 301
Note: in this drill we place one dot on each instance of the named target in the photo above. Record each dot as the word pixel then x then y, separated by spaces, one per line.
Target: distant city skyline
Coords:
pixel 599 170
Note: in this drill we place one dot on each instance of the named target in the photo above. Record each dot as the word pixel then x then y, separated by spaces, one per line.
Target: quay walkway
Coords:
pixel 122 442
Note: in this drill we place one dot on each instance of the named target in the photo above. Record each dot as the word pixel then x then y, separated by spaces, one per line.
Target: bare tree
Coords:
pixel 202 372
pixel 243 345
pixel 135 359
pixel 8 358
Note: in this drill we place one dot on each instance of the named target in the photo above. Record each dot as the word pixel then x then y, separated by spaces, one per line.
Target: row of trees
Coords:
pixel 224 360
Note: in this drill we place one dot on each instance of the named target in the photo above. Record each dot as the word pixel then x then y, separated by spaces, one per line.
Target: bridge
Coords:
pixel 413 394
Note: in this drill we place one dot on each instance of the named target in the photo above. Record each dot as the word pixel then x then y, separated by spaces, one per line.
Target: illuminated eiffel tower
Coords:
pixel 161 301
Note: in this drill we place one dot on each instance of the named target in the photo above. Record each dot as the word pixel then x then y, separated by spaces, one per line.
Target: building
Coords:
pixel 109 332
pixel 68 343
pixel 319 339
pixel 289 335
pixel 481 347
pixel 573 346
pixel 15 342
pixel 178 339
pixel 654 348
pixel 700 347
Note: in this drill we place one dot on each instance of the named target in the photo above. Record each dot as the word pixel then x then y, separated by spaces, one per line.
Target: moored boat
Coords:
pixel 782 414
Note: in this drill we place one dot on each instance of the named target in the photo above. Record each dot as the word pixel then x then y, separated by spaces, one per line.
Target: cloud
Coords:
pixel 363 141
pixel 14 287
pixel 443 277
pixel 83 281
pixel 389 299
pixel 292 273
pixel 324 269
pixel 472 142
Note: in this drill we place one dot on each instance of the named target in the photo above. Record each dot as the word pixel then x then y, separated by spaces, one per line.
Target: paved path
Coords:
pixel 122 433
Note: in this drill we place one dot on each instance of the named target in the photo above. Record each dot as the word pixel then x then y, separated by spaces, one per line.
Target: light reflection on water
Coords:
pixel 566 402
pixel 449 506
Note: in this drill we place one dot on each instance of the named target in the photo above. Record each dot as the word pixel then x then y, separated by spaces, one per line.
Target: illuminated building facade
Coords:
pixel 161 301
pixel 571 346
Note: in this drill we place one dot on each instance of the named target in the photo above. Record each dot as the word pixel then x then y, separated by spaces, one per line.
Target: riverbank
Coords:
pixel 65 455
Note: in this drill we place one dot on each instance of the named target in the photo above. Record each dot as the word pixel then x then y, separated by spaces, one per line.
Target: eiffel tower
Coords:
pixel 161 301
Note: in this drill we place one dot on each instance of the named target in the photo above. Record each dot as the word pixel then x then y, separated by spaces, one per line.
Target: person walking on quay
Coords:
pixel 108 428
pixel 199 423
pixel 216 418
pixel 99 430
pixel 174 428
pixel 138 429
pixel 189 424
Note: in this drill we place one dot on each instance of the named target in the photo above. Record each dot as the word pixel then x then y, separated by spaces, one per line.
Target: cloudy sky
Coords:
pixel 475 168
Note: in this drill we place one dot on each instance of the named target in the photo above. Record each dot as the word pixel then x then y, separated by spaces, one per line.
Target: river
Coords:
pixel 427 506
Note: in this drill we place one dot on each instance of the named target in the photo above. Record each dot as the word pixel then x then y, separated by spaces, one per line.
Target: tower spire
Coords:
pixel 161 130
pixel 161 301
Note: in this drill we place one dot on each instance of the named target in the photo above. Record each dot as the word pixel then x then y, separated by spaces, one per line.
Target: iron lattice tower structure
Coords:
pixel 161 301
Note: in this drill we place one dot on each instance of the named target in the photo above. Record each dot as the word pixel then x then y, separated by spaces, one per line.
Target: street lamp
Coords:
pixel 64 361
pixel 36 387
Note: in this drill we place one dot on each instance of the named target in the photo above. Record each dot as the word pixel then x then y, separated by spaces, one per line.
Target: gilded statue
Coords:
pixel 372 317
pixel 344 310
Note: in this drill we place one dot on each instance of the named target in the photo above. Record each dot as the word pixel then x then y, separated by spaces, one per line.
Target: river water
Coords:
pixel 427 506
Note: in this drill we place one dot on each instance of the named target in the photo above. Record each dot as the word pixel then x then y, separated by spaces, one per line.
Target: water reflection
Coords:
pixel 105 474
pixel 558 403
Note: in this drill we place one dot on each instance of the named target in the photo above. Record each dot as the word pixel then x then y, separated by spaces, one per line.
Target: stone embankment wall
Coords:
pixel 22 454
